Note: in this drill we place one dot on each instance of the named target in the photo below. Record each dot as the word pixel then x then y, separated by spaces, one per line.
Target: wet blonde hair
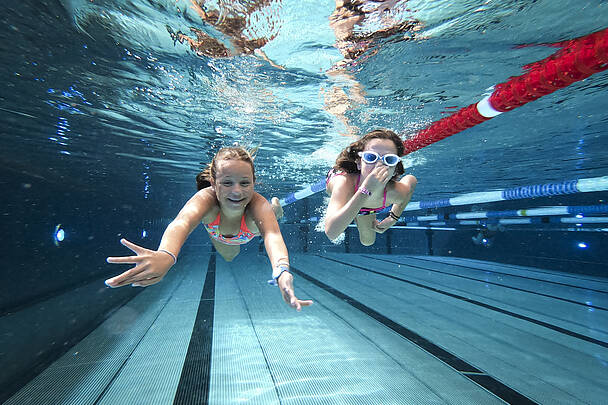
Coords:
pixel 347 160
pixel 203 179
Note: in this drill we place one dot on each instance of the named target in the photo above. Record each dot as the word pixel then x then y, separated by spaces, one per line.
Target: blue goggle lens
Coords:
pixel 370 157
pixel 391 160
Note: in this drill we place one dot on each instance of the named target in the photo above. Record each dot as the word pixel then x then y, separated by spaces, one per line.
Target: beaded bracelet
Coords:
pixel 364 191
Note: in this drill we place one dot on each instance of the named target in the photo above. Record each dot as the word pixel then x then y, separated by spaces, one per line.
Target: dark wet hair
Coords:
pixel 203 179
pixel 347 160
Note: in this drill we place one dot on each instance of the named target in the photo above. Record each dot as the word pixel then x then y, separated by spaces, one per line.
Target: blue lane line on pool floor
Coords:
pixel 504 392
pixel 482 304
pixel 193 387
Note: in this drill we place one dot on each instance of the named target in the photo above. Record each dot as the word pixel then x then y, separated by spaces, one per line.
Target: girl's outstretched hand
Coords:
pixel 285 283
pixel 150 267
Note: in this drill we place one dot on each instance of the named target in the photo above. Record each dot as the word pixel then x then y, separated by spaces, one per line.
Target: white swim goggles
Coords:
pixel 390 159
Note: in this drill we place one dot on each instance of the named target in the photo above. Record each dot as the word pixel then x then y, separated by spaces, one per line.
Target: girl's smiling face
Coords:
pixel 233 184
pixel 381 147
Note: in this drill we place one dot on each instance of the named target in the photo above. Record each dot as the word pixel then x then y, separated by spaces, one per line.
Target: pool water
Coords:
pixel 110 108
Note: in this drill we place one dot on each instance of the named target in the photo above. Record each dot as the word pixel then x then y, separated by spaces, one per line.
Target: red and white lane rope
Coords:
pixel 576 60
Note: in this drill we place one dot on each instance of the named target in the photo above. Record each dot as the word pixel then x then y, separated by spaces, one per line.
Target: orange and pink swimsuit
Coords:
pixel 244 235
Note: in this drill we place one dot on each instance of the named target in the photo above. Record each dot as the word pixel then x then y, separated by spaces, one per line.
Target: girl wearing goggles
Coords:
pixel 370 157
pixel 366 174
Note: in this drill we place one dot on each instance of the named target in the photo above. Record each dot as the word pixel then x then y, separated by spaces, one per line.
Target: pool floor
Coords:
pixel 384 329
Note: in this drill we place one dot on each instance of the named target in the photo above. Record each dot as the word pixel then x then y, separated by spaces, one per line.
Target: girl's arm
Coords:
pixel 343 206
pixel 151 266
pixel 266 221
pixel 189 217
pixel 404 189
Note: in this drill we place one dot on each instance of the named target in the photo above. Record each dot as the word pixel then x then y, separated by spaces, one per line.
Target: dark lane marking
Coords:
pixel 486 381
pixel 490 282
pixel 141 338
pixel 275 383
pixel 193 387
pixel 484 305
pixel 507 274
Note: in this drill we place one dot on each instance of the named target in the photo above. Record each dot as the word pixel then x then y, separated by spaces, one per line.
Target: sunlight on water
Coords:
pixel 302 79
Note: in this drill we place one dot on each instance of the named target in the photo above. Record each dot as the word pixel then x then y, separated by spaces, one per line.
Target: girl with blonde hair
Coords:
pixel 231 212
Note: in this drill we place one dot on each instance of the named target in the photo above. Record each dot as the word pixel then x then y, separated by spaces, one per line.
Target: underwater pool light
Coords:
pixel 144 233
pixel 58 235
pixel 582 245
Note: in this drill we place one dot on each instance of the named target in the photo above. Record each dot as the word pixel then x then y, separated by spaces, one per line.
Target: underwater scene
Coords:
pixel 304 202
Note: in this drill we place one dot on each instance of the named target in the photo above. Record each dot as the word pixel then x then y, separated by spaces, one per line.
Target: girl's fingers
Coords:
pixel 138 280
pixel 146 282
pixel 125 278
pixel 123 259
pixel 139 275
pixel 112 283
pixel 382 174
pixel 289 297
pixel 294 303
pixel 136 249
pixel 381 170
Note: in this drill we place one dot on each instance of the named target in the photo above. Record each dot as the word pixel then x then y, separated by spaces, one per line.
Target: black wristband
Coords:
pixel 392 215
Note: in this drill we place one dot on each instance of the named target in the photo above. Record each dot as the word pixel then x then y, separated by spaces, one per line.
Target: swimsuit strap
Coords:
pixel 331 174
pixel 216 224
pixel 216 221
pixel 244 235
pixel 244 228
